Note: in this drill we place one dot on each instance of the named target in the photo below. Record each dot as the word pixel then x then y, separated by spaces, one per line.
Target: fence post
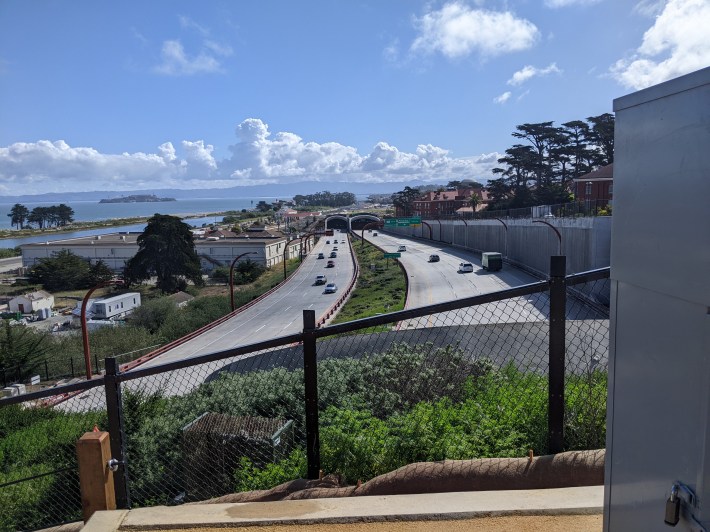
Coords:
pixel 310 369
pixel 95 477
pixel 114 408
pixel 556 373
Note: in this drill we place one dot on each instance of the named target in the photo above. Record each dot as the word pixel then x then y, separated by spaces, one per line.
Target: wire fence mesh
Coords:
pixel 195 433
pixel 459 384
pixel 39 481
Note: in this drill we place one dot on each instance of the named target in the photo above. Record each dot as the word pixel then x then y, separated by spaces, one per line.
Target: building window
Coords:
pixel 588 189
pixel 611 189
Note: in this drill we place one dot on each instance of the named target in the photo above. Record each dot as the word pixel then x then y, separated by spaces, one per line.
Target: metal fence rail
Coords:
pixel 493 375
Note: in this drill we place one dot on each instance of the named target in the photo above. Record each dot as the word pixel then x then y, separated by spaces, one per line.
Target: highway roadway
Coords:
pixel 280 313
pixel 435 282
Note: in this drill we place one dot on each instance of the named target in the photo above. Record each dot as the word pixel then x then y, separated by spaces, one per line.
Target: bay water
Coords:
pixel 193 211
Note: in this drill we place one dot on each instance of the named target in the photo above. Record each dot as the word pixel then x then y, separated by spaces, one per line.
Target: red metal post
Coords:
pixel 84 330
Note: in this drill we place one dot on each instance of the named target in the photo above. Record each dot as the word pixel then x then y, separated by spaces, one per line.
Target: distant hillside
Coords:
pixel 257 191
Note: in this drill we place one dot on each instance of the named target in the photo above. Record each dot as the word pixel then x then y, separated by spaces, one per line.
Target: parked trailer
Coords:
pixel 116 306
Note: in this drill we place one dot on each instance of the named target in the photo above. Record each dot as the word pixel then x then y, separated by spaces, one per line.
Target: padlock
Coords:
pixel 673 507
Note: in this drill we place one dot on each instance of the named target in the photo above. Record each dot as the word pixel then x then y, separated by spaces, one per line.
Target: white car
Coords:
pixel 330 288
pixel 402 248
pixel 465 267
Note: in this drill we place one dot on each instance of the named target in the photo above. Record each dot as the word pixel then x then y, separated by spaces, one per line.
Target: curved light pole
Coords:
pixel 231 275
pixel 559 236
pixel 505 245
pixel 284 255
pixel 84 331
pixel 431 233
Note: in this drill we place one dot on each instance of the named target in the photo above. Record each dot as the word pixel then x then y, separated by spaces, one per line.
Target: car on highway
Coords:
pixel 465 267
pixel 374 234
pixel 333 254
pixel 321 279
pixel 335 248
pixel 321 256
pixel 402 248
pixel 330 288
pixel 335 241
pixel 434 258
pixel 327 241
pixel 331 264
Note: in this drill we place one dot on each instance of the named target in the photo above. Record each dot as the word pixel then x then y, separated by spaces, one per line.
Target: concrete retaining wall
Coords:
pixel 585 241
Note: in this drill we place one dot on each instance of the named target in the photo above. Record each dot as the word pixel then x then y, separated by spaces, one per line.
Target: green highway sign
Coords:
pixel 403 222
pixel 392 255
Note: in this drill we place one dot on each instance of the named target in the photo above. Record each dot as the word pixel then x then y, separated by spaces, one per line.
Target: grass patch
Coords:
pixel 380 288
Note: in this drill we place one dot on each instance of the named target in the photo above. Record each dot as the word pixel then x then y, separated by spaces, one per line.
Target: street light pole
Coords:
pixel 559 236
pixel 84 330
pixel 231 276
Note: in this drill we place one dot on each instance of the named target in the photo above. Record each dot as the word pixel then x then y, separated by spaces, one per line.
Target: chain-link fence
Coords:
pixel 472 378
pixel 39 479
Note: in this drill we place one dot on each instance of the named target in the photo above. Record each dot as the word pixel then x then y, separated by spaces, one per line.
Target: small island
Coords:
pixel 137 198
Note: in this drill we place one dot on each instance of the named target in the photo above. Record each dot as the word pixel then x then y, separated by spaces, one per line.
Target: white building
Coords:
pixel 215 248
pixel 32 302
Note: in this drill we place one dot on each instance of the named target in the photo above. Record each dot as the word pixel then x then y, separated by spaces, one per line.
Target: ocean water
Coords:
pixel 87 211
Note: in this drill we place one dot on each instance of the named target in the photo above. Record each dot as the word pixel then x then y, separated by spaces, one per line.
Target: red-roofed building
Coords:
pixel 446 202
pixel 596 186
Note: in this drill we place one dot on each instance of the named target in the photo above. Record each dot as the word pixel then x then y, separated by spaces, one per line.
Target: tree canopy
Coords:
pixel 539 170
pixel 67 271
pixel 18 215
pixel 325 199
pixel 166 249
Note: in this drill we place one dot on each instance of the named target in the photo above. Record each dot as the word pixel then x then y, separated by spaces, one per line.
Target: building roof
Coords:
pixel 108 240
pixel 36 296
pixel 244 426
pixel 604 173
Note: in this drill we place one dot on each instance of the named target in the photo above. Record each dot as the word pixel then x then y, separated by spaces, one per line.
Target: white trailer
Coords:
pixel 116 306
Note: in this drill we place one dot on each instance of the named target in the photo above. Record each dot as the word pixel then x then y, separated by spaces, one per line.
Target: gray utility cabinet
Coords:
pixel 658 416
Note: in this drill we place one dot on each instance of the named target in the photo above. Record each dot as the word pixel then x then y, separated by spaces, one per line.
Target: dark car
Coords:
pixel 333 254
pixel 330 264
pixel 434 258
pixel 321 256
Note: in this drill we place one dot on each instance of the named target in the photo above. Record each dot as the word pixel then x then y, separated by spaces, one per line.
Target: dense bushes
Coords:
pixel 409 404
pixel 377 413
pixel 37 441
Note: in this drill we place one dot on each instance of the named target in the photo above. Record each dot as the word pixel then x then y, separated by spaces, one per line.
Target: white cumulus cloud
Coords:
pixel 257 157
pixel 676 44
pixel 502 98
pixel 529 71
pixel 457 30
pixel 175 62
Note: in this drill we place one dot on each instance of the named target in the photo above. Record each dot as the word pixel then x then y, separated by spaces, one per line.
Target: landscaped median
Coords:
pixel 380 288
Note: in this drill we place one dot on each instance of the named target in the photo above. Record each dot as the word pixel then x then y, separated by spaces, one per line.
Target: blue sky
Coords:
pixel 168 94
